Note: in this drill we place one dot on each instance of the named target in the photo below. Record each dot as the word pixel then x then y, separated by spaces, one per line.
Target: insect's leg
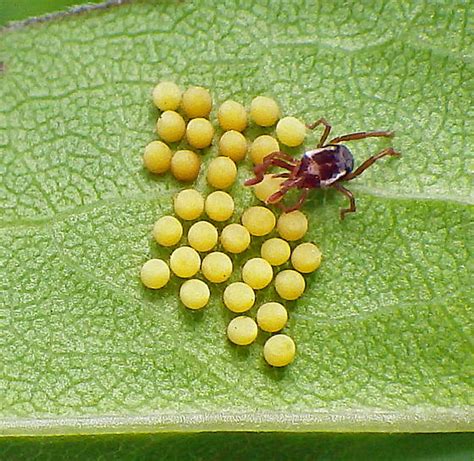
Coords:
pixel 350 196
pixel 299 203
pixel 327 129
pixel 277 159
pixel 362 135
pixel 276 197
pixel 284 188
pixel 281 175
pixel 283 164
pixel 388 151
pixel 260 170
pixel 281 156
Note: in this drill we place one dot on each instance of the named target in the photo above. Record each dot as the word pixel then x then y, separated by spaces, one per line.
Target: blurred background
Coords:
pixel 222 445
pixel 14 10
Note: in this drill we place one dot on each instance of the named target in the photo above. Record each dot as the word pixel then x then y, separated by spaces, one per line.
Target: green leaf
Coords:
pixel 384 330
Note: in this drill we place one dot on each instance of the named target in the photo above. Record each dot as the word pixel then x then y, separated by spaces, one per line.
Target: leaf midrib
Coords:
pixel 150 197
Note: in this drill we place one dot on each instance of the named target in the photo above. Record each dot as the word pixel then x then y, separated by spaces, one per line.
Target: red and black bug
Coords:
pixel 326 166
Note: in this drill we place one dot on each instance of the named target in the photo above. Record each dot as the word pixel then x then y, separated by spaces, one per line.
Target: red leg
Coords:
pixel 299 203
pixel 350 196
pixel 362 135
pixel 284 188
pixel 279 159
pixel 276 197
pixel 281 175
pixel 388 151
pixel 327 129
pixel 281 155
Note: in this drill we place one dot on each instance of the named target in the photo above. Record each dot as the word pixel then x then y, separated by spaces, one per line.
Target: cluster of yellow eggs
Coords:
pixel 185 115
pixel 194 104
pixel 213 236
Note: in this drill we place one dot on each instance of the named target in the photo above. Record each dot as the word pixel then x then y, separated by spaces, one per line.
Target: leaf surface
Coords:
pixel 384 331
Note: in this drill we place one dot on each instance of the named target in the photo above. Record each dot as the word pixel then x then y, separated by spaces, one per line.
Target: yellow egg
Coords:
pixel 221 173
pixel 289 284
pixel 272 317
pixel 166 96
pixel 185 165
pixel 291 131
pixel 268 186
pixel 242 330
pixel 196 102
pixel 262 146
pixel 199 133
pixel 194 294
pixel 257 273
pixel 217 267
pixel 279 350
pixel 202 236
pixel 235 238
pixel 232 116
pixel 185 262
pixel 155 273
pixel 157 157
pixel 167 231
pixel 239 297
pixel 189 204
pixel 292 226
pixel 170 126
pixel 258 220
pixel 276 251
pixel 306 257
pixel 264 111
pixel 233 145
pixel 219 206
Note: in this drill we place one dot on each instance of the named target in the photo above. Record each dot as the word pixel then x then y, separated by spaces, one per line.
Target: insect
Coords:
pixel 325 167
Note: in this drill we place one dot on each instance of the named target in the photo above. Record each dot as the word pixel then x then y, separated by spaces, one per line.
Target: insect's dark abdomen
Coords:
pixel 327 164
